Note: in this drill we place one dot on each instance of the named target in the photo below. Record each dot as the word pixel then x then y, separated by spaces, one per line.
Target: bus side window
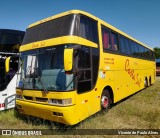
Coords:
pixel 88 29
pixel 122 45
pixel 142 51
pixel 146 53
pixel 136 49
pixel 128 47
pixel 105 38
pixel 114 41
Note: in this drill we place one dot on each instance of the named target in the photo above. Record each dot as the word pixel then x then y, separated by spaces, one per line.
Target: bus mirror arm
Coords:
pixel 20 61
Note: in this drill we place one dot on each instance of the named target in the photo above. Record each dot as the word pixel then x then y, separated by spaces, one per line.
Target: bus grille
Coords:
pixel 36 99
pixel 41 99
pixel 28 98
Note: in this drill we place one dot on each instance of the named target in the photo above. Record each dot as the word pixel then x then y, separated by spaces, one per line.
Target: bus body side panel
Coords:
pixel 127 73
pixel 7 96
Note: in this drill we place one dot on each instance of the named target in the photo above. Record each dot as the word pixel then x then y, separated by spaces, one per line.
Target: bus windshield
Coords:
pixel 62 26
pixel 43 69
pixel 73 25
pixel 10 42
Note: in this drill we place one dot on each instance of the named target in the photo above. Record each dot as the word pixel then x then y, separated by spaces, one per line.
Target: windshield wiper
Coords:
pixel 75 74
pixel 42 84
pixel 44 88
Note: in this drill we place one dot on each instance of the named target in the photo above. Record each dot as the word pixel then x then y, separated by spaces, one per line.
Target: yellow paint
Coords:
pixel 7 64
pixel 68 59
pixel 124 75
pixel 58 41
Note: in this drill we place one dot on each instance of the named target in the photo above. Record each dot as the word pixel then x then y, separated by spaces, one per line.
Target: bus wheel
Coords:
pixel 150 81
pixel 105 100
pixel 146 82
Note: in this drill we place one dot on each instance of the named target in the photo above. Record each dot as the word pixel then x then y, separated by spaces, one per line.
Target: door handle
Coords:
pixel 4 94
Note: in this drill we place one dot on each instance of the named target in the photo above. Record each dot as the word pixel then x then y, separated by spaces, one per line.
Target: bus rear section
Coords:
pixel 10 41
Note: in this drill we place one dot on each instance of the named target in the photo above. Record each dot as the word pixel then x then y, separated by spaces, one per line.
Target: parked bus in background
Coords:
pixel 73 65
pixel 158 66
pixel 10 41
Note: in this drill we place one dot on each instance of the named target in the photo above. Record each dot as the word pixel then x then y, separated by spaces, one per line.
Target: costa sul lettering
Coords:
pixel 131 72
pixel 37 45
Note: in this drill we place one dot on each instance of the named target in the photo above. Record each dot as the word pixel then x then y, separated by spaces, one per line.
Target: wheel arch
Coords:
pixel 110 92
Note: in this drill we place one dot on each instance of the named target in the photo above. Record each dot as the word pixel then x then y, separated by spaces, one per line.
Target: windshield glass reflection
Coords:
pixel 44 69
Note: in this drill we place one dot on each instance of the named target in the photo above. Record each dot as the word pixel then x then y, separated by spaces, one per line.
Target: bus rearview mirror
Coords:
pixel 68 59
pixel 7 64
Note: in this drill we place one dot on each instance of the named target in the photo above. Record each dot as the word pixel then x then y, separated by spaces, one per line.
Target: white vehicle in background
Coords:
pixel 10 41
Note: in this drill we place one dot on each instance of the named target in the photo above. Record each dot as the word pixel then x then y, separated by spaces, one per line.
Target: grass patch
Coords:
pixel 139 111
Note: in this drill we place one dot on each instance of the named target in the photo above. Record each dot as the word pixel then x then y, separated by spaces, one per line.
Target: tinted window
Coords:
pixel 153 55
pixel 125 46
pixel 95 64
pixel 84 70
pixel 146 52
pixel 88 29
pixel 10 42
pixel 110 40
pixel 63 26
pixel 55 28
pixel 84 58
pixel 106 38
pixel 142 51
pixel 114 41
pixel 128 47
pixel 122 45
pixel 88 64
pixel 135 48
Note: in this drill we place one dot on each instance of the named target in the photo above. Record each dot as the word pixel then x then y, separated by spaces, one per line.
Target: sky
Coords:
pixel 138 18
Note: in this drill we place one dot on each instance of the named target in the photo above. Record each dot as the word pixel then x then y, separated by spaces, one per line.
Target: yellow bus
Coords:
pixel 73 65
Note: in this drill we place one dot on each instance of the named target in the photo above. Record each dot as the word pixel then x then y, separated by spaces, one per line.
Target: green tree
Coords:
pixel 157 52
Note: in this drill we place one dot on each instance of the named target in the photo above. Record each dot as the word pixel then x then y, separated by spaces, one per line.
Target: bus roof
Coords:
pixel 11 30
pixel 91 16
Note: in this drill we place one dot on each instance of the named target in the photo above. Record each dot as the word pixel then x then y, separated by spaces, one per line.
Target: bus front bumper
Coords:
pixel 61 114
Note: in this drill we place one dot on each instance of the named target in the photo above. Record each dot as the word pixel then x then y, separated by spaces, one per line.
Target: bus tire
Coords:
pixel 105 100
pixel 150 81
pixel 146 83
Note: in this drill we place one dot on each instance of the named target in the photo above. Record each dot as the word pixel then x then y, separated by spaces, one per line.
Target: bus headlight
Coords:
pixel 18 96
pixel 62 102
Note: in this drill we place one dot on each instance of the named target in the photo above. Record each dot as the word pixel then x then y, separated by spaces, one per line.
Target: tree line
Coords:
pixel 157 52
